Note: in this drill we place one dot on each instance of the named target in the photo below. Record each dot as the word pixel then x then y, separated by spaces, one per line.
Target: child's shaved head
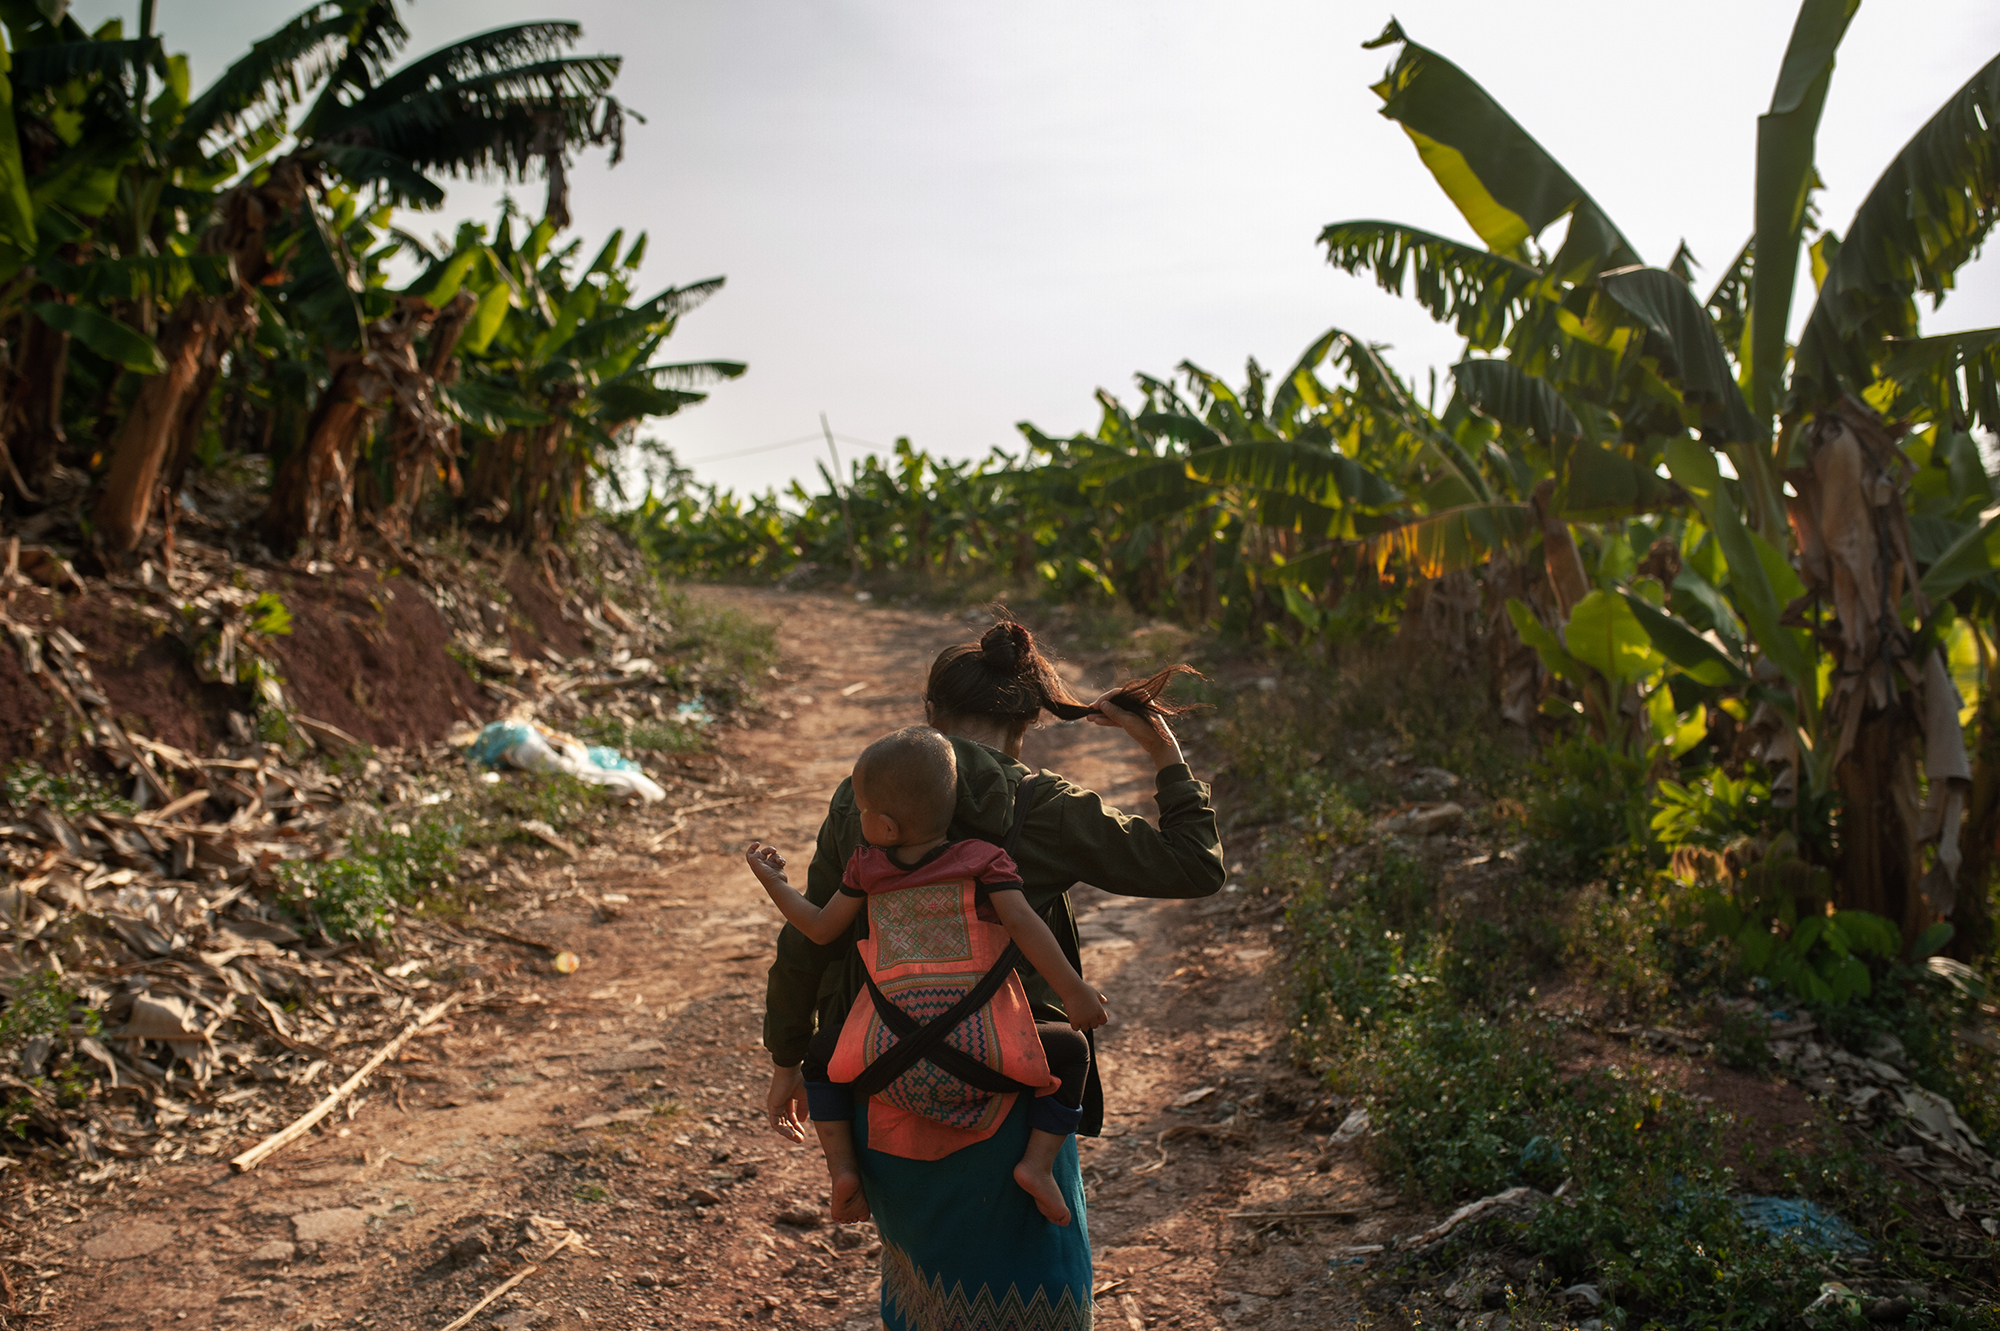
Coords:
pixel 912 776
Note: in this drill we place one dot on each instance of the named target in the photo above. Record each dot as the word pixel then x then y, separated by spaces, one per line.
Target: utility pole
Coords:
pixel 846 513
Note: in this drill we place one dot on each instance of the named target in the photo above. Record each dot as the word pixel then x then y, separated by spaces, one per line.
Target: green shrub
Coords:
pixel 1457 1101
pixel 43 1005
pixel 348 898
pixel 25 784
pixel 640 736
pixel 1586 812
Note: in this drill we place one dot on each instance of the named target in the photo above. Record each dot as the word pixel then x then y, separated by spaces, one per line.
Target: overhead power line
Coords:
pixel 785 443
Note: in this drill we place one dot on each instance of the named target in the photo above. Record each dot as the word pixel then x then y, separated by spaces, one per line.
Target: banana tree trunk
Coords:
pixel 1559 552
pixel 194 416
pixel 193 337
pixel 139 448
pixel 31 437
pixel 1886 709
pixel 1972 920
pixel 419 432
pixel 312 498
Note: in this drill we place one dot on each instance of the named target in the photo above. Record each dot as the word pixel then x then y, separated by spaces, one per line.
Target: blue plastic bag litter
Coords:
pixel 611 760
pixel 495 740
pixel 1802 1222
pixel 534 748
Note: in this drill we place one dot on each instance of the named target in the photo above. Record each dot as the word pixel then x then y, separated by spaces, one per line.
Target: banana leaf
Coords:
pixel 1785 138
pixel 1499 390
pixel 1700 659
pixel 1504 183
pixel 1973 555
pixel 1663 303
pixel 118 343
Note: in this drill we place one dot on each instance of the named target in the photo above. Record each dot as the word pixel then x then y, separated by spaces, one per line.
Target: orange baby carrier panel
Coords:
pixel 926 949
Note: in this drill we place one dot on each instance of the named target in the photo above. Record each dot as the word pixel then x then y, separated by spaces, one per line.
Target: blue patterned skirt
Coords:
pixel 963 1247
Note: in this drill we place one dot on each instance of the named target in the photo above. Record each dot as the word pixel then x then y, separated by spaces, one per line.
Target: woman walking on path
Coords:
pixel 962 1244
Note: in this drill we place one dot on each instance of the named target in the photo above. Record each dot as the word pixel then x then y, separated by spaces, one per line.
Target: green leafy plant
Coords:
pixel 1585 808
pixel 24 784
pixel 44 1013
pixel 350 898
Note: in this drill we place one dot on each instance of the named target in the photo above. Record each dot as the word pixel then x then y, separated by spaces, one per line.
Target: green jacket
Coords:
pixel 1071 836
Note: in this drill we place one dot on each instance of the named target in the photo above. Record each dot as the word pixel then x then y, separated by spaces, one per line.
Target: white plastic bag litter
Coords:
pixel 535 748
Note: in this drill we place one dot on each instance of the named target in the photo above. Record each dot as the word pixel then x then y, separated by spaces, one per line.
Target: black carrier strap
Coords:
pixel 926 1040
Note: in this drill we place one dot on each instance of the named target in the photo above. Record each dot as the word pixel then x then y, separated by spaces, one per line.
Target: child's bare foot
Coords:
pixel 850 1203
pixel 1041 1185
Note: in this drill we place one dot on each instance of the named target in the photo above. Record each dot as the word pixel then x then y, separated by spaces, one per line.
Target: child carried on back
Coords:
pixel 905 789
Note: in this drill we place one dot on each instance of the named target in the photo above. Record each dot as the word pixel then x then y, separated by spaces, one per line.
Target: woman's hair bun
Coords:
pixel 1008 648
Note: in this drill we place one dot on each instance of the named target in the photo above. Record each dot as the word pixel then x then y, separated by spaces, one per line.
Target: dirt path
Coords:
pixel 606 1126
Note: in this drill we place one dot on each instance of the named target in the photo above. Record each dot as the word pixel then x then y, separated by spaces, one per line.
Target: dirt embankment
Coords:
pixel 367 651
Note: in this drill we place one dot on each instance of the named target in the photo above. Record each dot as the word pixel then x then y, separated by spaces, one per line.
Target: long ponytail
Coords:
pixel 1005 676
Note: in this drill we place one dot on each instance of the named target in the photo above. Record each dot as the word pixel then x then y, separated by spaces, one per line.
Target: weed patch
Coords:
pixel 25 784
pixel 1414 996
pixel 44 1016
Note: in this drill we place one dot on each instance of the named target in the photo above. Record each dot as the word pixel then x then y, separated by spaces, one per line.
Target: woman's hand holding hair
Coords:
pixel 785 1103
pixel 1150 732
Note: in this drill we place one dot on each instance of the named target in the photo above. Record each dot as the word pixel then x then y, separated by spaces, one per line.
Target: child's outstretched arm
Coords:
pixel 1083 1003
pixel 822 924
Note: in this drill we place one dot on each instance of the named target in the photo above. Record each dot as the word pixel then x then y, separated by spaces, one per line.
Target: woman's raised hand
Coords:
pixel 1150 732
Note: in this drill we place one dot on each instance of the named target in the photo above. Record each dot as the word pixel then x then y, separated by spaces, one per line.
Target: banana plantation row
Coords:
pixel 189 277
pixel 1760 575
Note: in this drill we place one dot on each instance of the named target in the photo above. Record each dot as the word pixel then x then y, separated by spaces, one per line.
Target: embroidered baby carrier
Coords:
pixel 942 1037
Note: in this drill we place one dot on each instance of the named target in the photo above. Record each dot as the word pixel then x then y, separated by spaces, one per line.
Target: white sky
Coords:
pixel 939 218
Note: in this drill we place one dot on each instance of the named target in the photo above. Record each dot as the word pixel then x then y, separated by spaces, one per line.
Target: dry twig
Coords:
pixel 277 1141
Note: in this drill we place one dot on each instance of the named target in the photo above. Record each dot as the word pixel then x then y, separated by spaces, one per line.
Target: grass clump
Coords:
pixel 44 1016
pixel 419 862
pixel 25 784
pixel 640 736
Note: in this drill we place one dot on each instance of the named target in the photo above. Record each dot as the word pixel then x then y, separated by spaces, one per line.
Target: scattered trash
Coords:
pixel 1194 1097
pixel 1874 1094
pixel 533 747
pixel 1802 1222
pixel 1354 1255
pixel 1833 1294
pixel 548 835
pixel 146 915
pixel 693 712
pixel 1354 1125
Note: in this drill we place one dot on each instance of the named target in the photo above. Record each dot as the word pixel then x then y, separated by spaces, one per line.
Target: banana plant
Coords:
pixel 559 368
pixel 1812 542
pixel 509 103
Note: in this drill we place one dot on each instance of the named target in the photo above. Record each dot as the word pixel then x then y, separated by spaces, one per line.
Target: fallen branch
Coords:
pixel 498 1290
pixel 271 1145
